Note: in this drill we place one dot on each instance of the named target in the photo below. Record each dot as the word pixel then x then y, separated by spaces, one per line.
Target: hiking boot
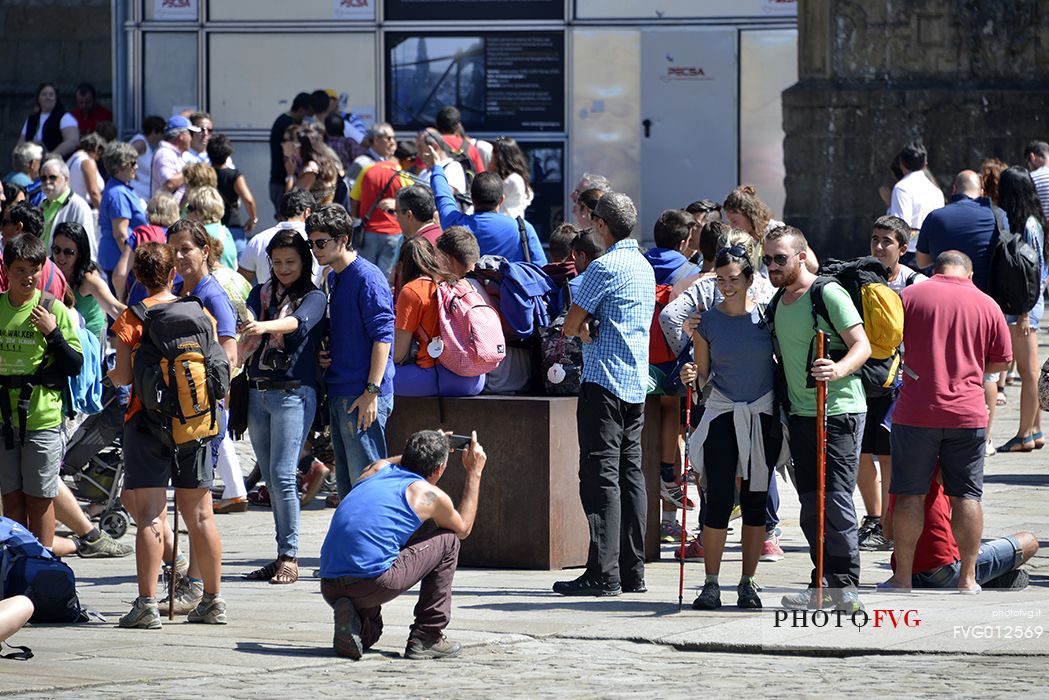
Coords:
pixel 747 595
pixel 805 600
pixel 1015 580
pixel 847 600
pixel 211 612
pixel 143 616
pixel 347 639
pixel 875 541
pixel 188 594
pixel 770 549
pixel 693 551
pixel 102 548
pixel 709 598
pixel 670 531
pixel 585 585
pixel 312 481
pixel 442 648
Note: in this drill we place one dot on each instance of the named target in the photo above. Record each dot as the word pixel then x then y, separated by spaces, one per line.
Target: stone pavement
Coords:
pixel 522 640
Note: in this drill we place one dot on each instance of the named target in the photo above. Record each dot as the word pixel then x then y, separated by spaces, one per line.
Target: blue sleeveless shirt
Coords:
pixel 370 526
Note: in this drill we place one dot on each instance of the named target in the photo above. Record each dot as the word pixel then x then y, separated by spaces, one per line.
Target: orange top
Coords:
pixel 128 330
pixel 417 309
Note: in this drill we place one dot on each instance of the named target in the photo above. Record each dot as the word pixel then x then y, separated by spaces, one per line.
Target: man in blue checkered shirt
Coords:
pixel 612 313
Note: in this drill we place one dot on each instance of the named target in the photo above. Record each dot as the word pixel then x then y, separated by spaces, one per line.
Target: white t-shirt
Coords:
pixel 516 197
pixel 68 120
pixel 905 277
pixel 254 258
pixel 913 198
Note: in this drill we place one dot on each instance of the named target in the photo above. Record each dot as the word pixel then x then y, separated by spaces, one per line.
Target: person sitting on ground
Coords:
pixel 497 234
pixel 25 164
pixel 416 324
pixel 937 560
pixel 369 556
pixel 94 302
pixel 39 351
pixel 733 351
pixel 14 614
pixel 149 465
pixel 88 541
pixel 25 218
pixel 288 322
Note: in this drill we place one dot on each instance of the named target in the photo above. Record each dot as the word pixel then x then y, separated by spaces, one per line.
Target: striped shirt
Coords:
pixel 619 290
pixel 1041 185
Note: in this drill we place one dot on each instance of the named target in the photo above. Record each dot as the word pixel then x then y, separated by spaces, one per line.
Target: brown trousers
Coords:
pixel 432 559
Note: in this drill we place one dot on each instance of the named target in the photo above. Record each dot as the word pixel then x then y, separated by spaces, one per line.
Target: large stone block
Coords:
pixel 529 515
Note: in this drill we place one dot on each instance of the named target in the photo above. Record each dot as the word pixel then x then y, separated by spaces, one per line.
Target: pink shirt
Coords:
pixel 951 332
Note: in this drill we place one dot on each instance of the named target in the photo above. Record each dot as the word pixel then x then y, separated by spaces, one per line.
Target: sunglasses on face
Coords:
pixel 50 178
pixel 319 243
pixel 58 250
pixel 780 259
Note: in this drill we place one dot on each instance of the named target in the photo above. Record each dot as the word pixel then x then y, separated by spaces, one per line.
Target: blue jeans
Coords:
pixel 355 449
pixel 278 423
pixel 381 250
pixel 239 238
pixel 996 557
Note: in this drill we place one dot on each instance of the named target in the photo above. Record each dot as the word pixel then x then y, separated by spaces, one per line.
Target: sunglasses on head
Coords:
pixel 58 250
pixel 736 251
pixel 319 243
pixel 780 259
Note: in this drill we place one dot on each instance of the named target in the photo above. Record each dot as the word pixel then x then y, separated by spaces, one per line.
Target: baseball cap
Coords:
pixel 179 122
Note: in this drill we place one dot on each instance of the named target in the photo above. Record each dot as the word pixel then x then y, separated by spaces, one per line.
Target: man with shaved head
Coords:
pixel 966 224
pixel 940 420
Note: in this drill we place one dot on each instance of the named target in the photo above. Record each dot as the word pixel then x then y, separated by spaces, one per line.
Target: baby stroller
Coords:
pixel 96 462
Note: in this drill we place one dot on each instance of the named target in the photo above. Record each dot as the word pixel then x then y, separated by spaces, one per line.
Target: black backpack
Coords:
pixel 180 370
pixel 1014 271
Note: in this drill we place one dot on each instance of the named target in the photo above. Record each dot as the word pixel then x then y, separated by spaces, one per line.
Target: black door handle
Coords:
pixel 647 124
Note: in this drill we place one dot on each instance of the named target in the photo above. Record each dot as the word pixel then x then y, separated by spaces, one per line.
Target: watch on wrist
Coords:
pixel 372 388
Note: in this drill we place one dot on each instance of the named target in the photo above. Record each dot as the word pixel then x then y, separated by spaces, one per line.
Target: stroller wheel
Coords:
pixel 115 523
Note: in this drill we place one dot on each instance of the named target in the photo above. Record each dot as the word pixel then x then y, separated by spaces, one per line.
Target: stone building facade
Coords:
pixel 65 42
pixel 968 77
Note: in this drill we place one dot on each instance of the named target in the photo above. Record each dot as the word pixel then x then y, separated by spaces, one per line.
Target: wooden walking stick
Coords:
pixel 174 559
pixel 684 498
pixel 821 468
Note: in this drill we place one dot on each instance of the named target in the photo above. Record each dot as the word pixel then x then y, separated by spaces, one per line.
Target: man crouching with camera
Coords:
pixel 369 556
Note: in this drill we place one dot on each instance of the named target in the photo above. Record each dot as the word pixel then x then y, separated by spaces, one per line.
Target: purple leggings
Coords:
pixel 412 380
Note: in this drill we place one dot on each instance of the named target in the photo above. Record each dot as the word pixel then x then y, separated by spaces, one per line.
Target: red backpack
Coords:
pixel 469 329
pixel 659 350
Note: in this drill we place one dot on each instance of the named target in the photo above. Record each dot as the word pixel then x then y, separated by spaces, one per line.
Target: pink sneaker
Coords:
pixel 693 551
pixel 770 550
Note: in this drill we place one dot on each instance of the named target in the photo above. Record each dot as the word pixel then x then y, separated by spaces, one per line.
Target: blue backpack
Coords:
pixel 528 298
pixel 30 569
pixel 85 389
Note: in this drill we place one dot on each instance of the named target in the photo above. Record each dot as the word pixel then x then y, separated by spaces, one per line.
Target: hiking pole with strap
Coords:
pixel 684 498
pixel 174 558
pixel 821 469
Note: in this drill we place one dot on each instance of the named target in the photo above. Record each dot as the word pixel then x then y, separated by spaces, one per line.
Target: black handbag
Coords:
pixel 238 405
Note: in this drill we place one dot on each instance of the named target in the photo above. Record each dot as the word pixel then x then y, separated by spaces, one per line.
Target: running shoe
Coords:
pixel 846 600
pixel 747 595
pixel 671 492
pixel 770 549
pixel 693 551
pixel 876 541
pixel 143 615
pixel 212 612
pixel 102 548
pixel 709 598
pixel 670 531
pixel 188 594
pixel 805 600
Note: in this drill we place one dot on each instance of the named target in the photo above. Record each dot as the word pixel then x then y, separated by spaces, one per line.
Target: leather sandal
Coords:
pixel 287 572
pixel 1017 444
pixel 265 573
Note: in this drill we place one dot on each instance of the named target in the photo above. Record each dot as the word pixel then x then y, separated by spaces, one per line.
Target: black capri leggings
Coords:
pixel 720 454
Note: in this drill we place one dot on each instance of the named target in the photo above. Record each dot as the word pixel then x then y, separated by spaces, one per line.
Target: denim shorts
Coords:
pixel 1034 315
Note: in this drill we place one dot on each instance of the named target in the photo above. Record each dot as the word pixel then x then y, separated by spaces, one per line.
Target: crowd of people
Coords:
pixel 404 269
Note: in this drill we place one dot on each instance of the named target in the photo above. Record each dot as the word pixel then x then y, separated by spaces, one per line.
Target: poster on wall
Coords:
pixel 500 81
pixel 683 9
pixel 474 9
pixel 184 10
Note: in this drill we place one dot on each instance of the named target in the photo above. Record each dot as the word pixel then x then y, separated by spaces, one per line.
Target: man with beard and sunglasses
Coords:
pixel 791 312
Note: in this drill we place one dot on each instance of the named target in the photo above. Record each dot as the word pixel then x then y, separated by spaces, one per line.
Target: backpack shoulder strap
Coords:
pixel 819 307
pixel 524 239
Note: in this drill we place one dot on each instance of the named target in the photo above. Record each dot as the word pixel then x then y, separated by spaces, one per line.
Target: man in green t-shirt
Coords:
pixel 785 255
pixel 32 336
